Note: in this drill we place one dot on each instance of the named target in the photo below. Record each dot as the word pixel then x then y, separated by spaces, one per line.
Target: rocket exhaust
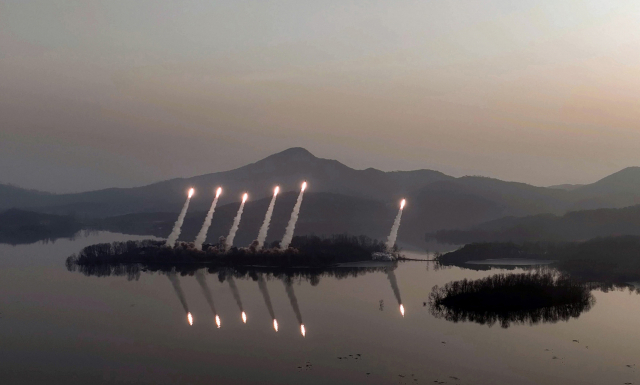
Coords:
pixel 288 235
pixel 393 235
pixel 262 234
pixel 202 235
pixel 236 222
pixel 177 227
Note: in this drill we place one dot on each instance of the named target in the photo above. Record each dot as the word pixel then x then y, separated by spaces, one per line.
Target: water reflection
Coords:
pixel 236 296
pixel 180 294
pixel 202 281
pixel 262 285
pixel 511 299
pixel 391 276
pixel 294 304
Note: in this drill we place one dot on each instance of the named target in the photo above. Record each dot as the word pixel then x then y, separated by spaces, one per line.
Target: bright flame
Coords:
pixel 302 330
pixel 402 310
pixel 304 186
pixel 275 324
pixel 218 323
pixel 218 192
pixel 244 317
pixel 276 190
pixel 190 318
pixel 191 192
pixel 402 204
pixel 244 197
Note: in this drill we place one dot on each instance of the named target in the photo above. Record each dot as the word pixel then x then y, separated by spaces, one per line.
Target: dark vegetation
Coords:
pixel 305 251
pixel 573 226
pixel 610 259
pixel 133 271
pixel 21 227
pixel 511 299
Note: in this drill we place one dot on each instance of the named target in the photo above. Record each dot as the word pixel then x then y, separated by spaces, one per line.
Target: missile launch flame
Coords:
pixel 202 235
pixel 236 222
pixel 303 331
pixel 264 229
pixel 275 325
pixel 288 234
pixel 190 318
pixel 218 323
pixel 177 227
pixel 402 310
pixel 393 235
pixel 244 317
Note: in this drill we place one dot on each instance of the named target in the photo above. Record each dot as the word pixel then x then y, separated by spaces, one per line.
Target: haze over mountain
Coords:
pixel 339 199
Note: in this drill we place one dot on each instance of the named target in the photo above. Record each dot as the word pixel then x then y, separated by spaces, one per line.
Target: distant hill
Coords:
pixel 287 169
pixel 20 227
pixel 573 226
pixel 435 201
pixel 567 187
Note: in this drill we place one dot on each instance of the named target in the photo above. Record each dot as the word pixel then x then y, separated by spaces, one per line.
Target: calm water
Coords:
pixel 63 327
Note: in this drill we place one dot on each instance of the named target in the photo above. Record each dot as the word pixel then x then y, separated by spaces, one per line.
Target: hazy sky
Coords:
pixel 120 93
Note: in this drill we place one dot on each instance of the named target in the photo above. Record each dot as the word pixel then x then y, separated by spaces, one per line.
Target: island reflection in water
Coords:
pixel 259 275
pixel 512 299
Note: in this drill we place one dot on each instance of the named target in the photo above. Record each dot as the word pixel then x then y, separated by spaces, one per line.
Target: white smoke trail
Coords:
pixel 202 235
pixel 288 234
pixel 262 234
pixel 391 241
pixel 236 223
pixel 177 227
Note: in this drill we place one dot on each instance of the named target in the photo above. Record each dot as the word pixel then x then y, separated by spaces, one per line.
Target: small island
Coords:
pixel 511 298
pixel 304 252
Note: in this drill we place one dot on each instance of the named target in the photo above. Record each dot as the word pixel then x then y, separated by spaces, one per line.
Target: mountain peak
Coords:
pixel 295 152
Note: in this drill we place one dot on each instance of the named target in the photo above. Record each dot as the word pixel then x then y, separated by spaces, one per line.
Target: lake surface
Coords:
pixel 62 327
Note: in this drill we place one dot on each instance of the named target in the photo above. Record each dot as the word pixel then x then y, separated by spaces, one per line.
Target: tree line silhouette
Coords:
pixel 527 298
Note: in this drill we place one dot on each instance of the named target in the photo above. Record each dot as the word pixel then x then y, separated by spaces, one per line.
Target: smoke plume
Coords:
pixel 202 235
pixel 262 234
pixel 294 301
pixel 206 291
pixel 288 235
pixel 236 293
pixel 265 294
pixel 391 241
pixel 177 227
pixel 178 289
pixel 236 223
pixel 391 276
